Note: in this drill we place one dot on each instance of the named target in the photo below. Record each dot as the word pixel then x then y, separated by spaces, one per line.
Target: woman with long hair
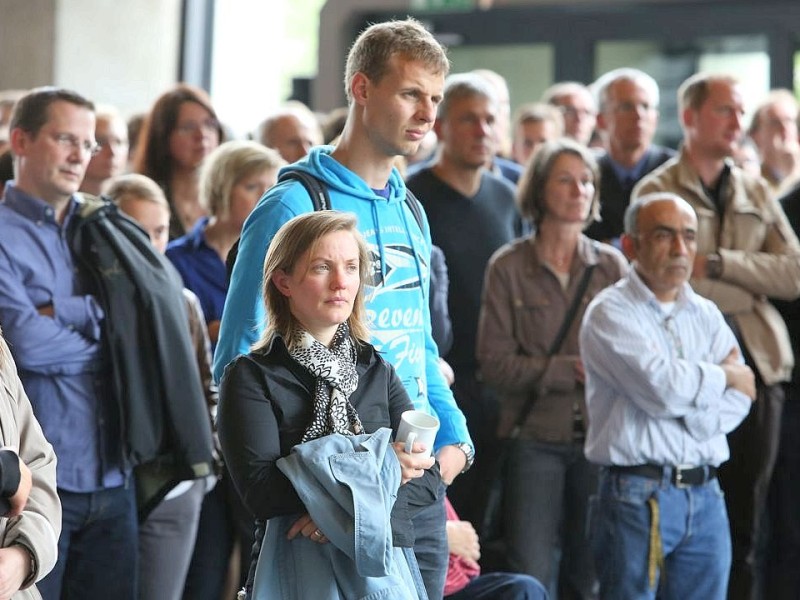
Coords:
pixel 177 134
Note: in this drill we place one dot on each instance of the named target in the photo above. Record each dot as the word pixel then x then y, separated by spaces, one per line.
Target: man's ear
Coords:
pixel 437 128
pixel 359 85
pixel 280 279
pixel 601 123
pixel 629 246
pixel 687 117
pixel 19 140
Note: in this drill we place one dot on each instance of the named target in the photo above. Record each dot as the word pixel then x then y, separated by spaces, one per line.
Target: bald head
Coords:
pixel 292 133
pixel 660 236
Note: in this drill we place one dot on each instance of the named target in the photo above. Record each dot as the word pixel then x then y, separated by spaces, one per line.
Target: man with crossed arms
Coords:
pixel 665 381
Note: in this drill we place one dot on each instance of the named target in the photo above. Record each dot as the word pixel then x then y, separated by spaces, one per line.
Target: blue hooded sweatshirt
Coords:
pixel 397 302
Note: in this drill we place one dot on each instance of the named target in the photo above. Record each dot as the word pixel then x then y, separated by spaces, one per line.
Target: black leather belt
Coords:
pixel 680 475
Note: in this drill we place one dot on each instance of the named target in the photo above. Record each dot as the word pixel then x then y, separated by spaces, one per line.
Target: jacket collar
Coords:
pixel 586 252
pixel 689 179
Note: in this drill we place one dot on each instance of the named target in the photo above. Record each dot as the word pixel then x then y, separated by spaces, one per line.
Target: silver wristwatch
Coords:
pixel 469 452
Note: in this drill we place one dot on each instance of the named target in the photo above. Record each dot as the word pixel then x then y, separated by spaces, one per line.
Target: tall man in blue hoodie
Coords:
pixel 394 81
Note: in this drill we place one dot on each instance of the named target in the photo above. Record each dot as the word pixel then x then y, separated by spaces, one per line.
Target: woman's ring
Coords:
pixel 317 534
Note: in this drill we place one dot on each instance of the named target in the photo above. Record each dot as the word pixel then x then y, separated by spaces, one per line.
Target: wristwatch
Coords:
pixel 469 452
pixel 713 265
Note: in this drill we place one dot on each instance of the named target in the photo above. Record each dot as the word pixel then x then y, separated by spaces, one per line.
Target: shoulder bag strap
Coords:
pixel 566 324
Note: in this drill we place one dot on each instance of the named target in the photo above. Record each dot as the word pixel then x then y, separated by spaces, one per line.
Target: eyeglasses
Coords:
pixel 68 141
pixel 112 142
pixel 627 108
pixel 192 127
pixel 571 111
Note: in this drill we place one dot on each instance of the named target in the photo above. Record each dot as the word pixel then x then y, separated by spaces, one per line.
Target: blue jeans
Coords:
pixel 98 547
pixel 694 533
pixel 546 506
pixel 501 586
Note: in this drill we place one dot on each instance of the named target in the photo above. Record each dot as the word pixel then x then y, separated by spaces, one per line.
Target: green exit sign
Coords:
pixel 443 4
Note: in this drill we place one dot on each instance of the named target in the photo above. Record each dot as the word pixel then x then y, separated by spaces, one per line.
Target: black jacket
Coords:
pixel 265 405
pixel 165 424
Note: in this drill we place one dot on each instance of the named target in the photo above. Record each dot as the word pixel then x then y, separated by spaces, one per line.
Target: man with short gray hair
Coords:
pixel 774 133
pixel 627 119
pixel 471 213
pixel 292 131
pixel 578 106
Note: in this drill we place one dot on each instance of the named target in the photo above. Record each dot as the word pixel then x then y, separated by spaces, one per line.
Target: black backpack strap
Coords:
pixel 555 347
pixel 319 199
pixel 315 188
pixel 415 207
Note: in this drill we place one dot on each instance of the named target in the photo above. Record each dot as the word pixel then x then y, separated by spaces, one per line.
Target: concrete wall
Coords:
pixel 27 43
pixel 122 53
pixel 336 22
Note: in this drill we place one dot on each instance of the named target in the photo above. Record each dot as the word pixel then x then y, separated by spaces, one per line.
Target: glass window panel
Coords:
pixel 524 84
pixel 671 62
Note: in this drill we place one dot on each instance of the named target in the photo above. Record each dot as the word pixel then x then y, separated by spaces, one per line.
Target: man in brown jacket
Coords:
pixel 746 252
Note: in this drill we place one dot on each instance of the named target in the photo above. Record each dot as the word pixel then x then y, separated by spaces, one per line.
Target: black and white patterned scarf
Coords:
pixel 335 371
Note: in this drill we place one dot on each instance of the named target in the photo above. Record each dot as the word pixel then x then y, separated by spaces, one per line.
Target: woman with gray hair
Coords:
pixel 528 349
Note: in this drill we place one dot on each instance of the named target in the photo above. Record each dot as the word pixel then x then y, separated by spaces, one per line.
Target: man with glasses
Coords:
pixel 111 133
pixel 665 381
pixel 774 132
pixel 627 120
pixel 577 105
pixel 54 327
pixel 746 253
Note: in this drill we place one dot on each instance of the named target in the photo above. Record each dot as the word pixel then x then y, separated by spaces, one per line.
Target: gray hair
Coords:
pixel 631 219
pixel 601 87
pixel 465 85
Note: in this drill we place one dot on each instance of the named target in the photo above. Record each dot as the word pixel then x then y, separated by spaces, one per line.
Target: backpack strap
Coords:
pixel 316 191
pixel 315 188
pixel 415 207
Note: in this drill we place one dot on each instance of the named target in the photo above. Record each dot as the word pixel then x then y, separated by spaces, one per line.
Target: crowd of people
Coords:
pixel 209 344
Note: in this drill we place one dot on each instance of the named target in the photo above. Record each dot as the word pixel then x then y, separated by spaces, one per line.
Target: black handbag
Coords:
pixel 492 527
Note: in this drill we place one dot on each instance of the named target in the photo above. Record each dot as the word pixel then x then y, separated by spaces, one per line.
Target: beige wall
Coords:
pixel 122 53
pixel 27 44
pixel 335 24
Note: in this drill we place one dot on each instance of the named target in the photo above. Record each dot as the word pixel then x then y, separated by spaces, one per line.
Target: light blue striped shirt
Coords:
pixel 655 392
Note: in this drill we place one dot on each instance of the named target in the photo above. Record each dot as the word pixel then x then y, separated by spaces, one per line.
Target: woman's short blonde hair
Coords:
pixel 298 236
pixel 227 165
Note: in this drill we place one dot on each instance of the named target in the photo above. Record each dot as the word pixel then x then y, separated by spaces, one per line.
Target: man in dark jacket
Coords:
pixel 628 117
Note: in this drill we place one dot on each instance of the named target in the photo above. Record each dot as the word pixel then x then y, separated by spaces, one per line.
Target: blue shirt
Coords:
pixel 59 358
pixel 655 392
pixel 202 270
pixel 633 174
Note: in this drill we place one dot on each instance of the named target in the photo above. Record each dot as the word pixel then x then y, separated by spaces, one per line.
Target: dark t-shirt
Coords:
pixel 468 230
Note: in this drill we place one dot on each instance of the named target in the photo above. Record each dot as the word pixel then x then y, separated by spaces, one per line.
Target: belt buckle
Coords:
pixel 677 475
